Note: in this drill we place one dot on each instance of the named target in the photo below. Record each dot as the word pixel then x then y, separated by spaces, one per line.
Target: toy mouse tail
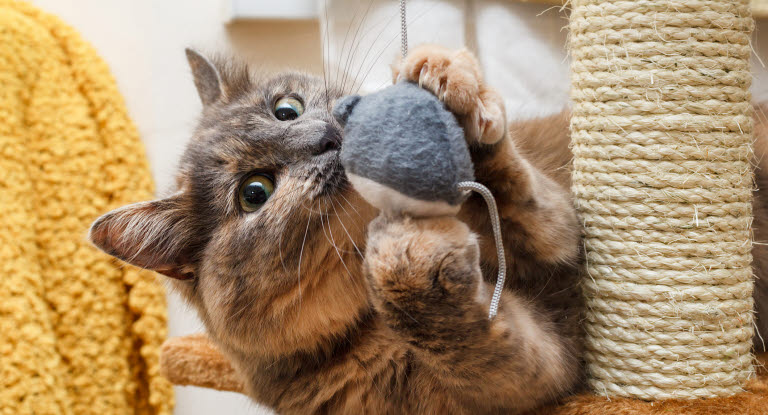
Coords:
pixel 496 224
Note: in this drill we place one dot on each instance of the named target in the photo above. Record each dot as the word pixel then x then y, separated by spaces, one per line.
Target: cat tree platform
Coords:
pixel 195 361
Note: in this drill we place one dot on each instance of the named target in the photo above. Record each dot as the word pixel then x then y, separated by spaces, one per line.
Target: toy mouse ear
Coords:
pixel 343 108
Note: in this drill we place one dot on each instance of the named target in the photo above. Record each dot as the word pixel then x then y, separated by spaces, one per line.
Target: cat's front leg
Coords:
pixel 538 219
pixel 426 284
pixel 425 277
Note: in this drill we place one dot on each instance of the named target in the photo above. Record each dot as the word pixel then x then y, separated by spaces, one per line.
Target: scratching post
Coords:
pixel 662 137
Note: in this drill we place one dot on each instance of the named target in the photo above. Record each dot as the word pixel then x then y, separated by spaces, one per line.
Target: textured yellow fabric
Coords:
pixel 79 333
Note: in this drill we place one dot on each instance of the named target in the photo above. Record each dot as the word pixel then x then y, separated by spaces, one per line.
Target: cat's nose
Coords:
pixel 329 140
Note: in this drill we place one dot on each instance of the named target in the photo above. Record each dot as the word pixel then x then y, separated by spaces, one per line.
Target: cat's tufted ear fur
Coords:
pixel 153 235
pixel 207 78
pixel 343 108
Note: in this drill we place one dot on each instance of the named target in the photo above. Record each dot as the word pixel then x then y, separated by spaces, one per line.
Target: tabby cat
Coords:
pixel 325 306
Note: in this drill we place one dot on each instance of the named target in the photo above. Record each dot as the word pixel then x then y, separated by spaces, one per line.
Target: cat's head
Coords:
pixel 263 231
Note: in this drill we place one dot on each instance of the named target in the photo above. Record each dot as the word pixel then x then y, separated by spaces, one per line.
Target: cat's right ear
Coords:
pixel 155 235
pixel 206 76
pixel 343 108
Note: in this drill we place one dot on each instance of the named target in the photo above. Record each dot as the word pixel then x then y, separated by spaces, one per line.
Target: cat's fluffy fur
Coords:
pixel 325 307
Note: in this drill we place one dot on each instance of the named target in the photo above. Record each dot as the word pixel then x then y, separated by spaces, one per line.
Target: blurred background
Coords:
pixel 521 46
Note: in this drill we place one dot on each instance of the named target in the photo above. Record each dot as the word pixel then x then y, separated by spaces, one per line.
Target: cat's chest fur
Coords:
pixel 361 371
pixel 364 371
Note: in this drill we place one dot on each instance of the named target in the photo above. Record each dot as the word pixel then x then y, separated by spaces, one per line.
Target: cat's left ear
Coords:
pixel 154 235
pixel 206 76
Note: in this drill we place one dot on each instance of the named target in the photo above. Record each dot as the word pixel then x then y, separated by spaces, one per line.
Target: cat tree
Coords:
pixel 662 142
pixel 661 130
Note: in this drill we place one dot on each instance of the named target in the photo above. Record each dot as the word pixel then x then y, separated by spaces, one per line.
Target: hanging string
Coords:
pixel 403 30
pixel 476 187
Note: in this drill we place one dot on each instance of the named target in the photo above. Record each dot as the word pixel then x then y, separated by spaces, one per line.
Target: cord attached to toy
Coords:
pixel 496 224
pixel 476 187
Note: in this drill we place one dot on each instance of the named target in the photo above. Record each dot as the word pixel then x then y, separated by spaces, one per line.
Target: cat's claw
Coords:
pixel 455 78
pixel 493 119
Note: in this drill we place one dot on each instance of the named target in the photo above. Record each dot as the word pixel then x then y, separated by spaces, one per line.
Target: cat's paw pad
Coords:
pixel 429 258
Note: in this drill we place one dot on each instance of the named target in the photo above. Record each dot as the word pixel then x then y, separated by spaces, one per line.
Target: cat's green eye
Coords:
pixel 255 191
pixel 288 108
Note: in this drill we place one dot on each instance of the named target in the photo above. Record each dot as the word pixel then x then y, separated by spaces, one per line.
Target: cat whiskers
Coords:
pixel 341 222
pixel 343 45
pixel 351 206
pixel 325 57
pixel 307 202
pixel 310 209
pixel 340 81
pixel 298 274
pixel 293 200
pixel 368 52
pixel 384 49
pixel 301 255
pixel 353 46
pixel 333 244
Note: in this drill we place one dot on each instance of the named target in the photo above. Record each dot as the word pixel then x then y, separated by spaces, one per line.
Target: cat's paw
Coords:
pixel 454 76
pixel 421 262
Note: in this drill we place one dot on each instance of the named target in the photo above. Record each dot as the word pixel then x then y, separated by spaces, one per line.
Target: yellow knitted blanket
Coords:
pixel 79 333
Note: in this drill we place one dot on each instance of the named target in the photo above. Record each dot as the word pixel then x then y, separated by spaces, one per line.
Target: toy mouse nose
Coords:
pixel 330 140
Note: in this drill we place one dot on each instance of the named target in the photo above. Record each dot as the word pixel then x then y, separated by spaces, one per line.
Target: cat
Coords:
pixel 325 306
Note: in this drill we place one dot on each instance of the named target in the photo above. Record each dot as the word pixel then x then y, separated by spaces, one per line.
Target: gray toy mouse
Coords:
pixel 404 151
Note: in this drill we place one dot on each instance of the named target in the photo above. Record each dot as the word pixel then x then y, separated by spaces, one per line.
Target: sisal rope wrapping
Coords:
pixel 662 143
